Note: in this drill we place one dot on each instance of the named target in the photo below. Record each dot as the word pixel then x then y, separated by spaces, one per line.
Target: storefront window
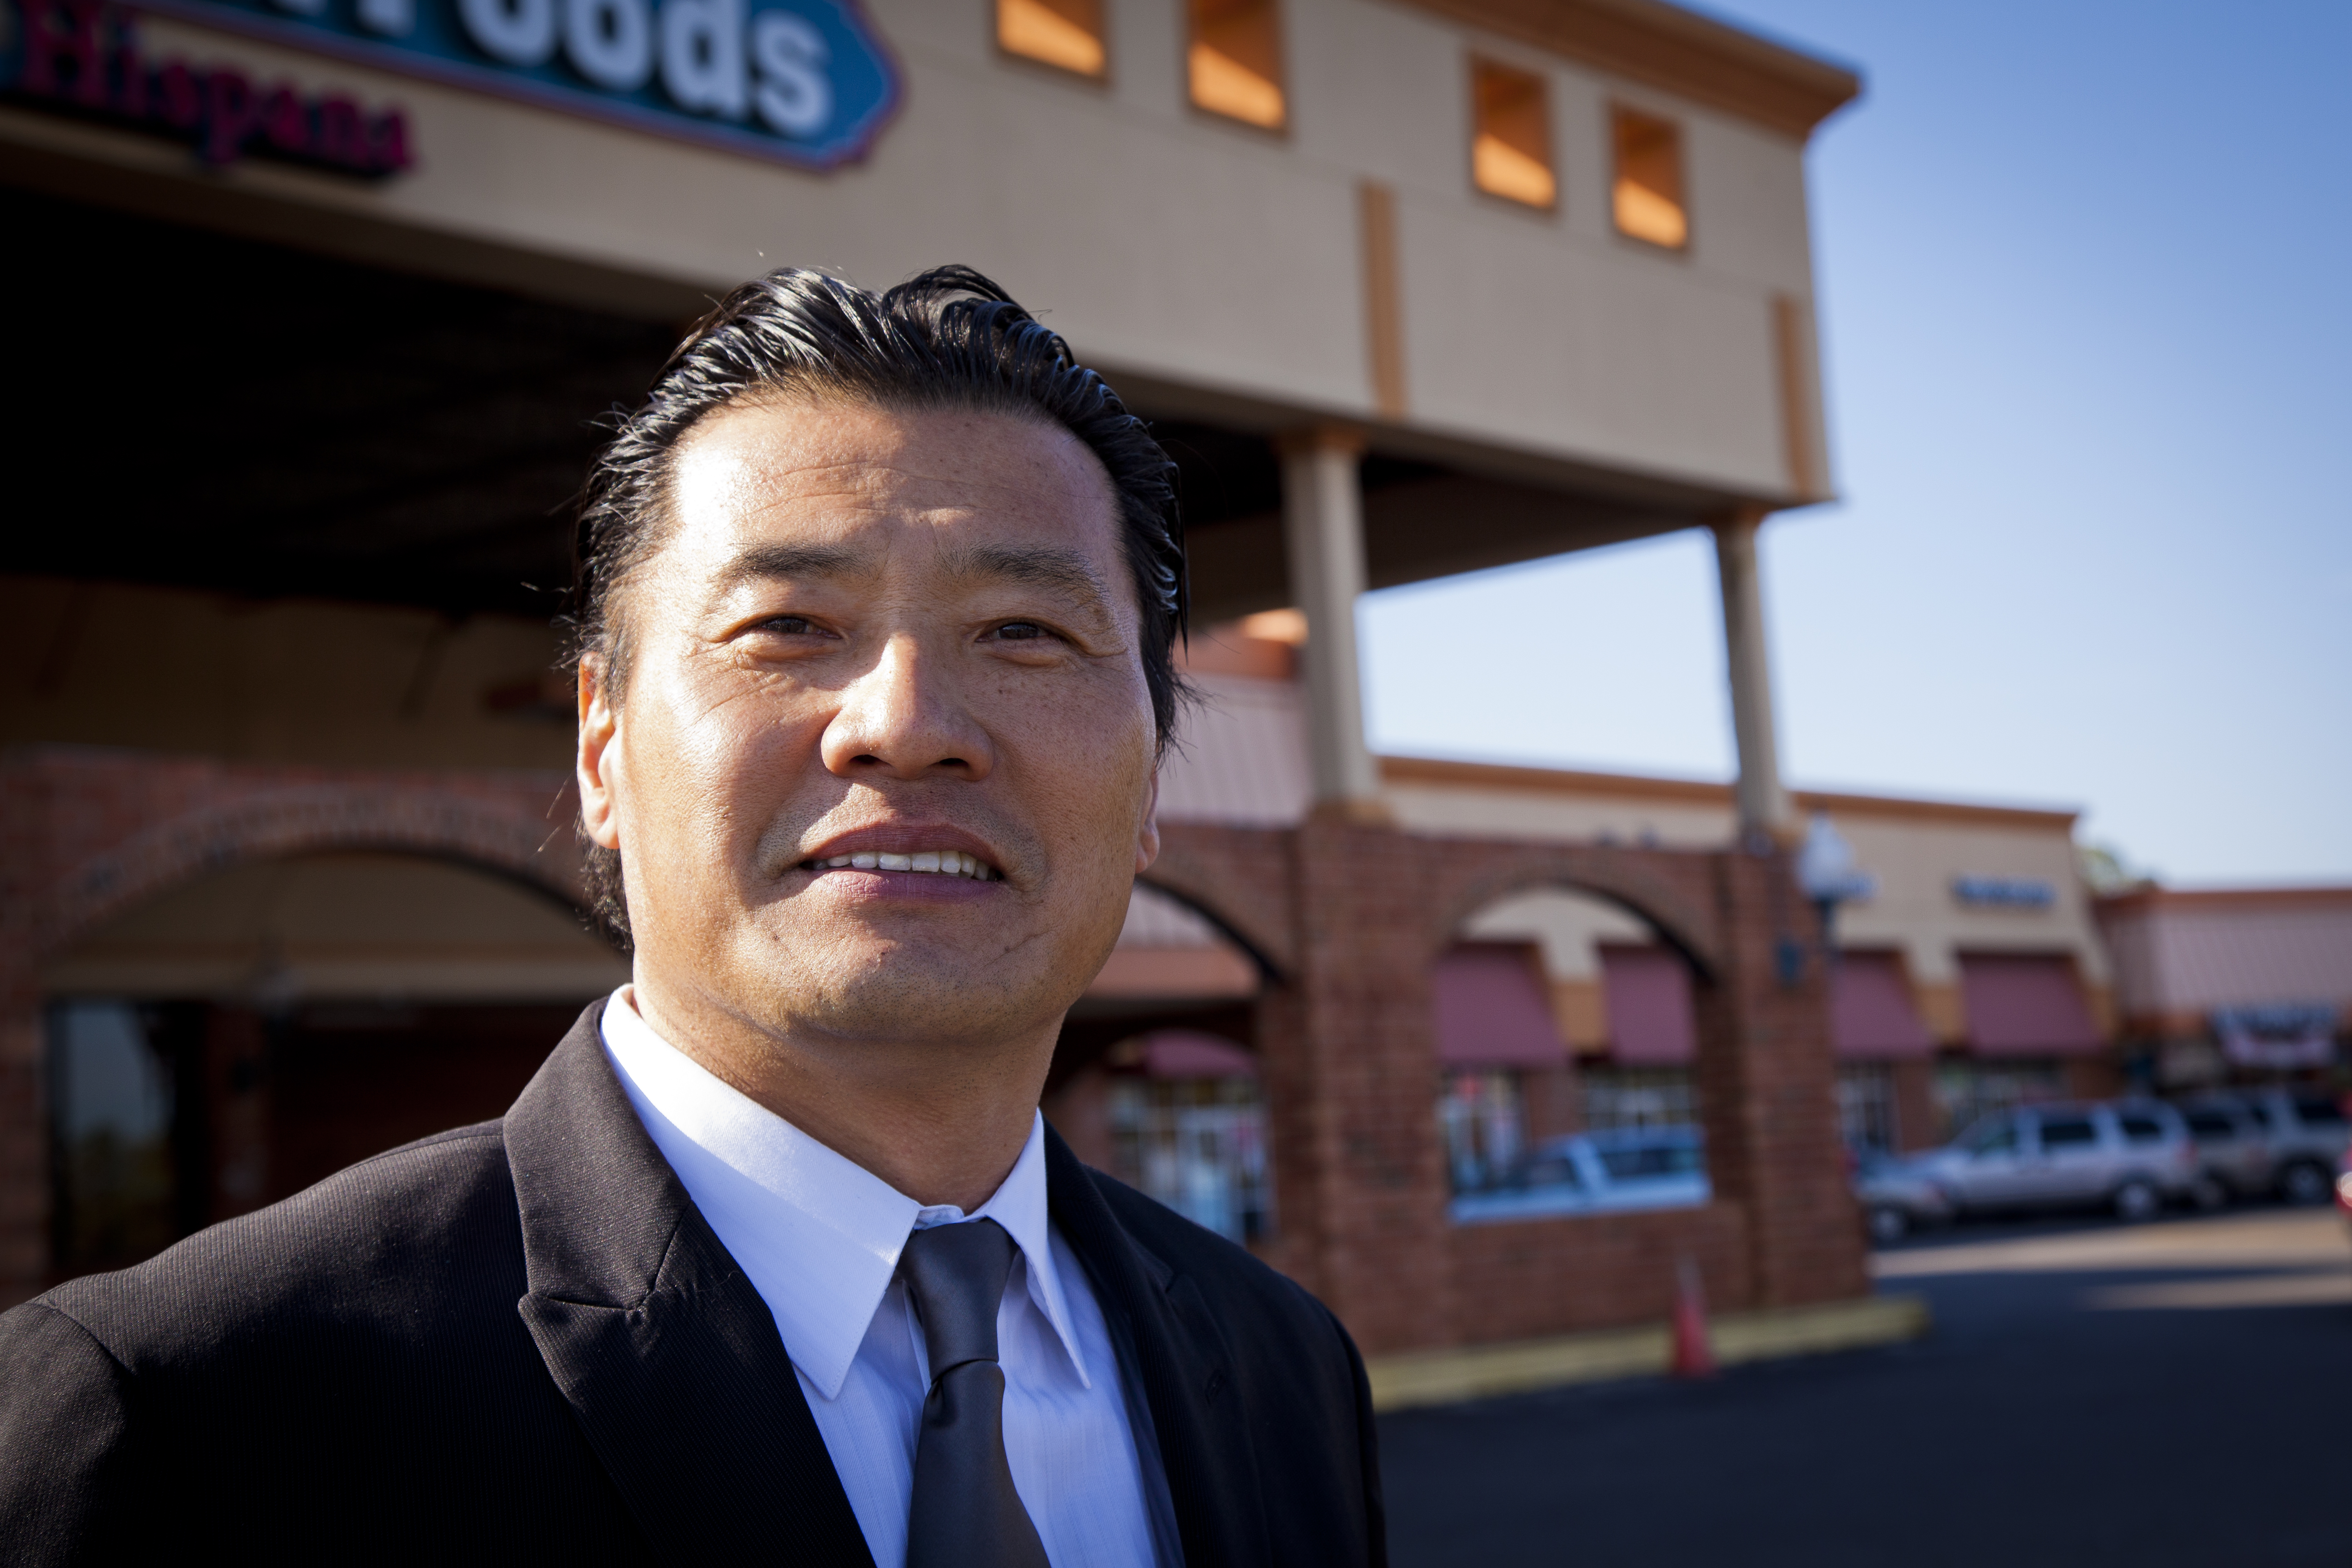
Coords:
pixel 110 1098
pixel 1865 1099
pixel 1197 1145
pixel 1638 1097
pixel 1966 1090
pixel 1484 1124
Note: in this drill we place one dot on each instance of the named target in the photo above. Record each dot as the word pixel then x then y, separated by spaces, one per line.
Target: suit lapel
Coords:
pixel 1183 1366
pixel 669 1358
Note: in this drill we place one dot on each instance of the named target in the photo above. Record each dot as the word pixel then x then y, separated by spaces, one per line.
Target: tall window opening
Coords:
pixel 1865 1100
pixel 1510 143
pixel 1234 63
pixel 1196 1142
pixel 114 1095
pixel 1482 1120
pixel 1067 34
pixel 1647 194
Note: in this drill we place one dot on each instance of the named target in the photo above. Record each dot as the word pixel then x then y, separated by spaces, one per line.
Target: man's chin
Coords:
pixel 896 992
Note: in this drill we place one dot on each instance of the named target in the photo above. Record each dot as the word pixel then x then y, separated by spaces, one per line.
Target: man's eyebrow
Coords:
pixel 775 561
pixel 1040 566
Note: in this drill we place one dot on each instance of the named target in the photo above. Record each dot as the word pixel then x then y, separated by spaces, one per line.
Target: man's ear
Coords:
pixel 1147 840
pixel 600 727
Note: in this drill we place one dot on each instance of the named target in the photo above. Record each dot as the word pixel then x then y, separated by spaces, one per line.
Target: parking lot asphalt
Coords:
pixel 2179 1393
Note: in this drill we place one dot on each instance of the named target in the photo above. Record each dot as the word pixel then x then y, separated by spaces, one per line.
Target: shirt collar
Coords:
pixel 816 1234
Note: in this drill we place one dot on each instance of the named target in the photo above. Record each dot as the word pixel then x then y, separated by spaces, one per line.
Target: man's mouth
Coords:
pixel 932 862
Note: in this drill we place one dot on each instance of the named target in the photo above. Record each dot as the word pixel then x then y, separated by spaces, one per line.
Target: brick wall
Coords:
pixel 1350 1071
pixel 88 833
pixel 1345 919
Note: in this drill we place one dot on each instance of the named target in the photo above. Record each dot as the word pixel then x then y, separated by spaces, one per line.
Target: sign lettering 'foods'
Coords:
pixel 805 81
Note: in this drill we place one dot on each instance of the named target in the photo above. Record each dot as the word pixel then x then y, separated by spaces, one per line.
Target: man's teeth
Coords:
pixel 944 862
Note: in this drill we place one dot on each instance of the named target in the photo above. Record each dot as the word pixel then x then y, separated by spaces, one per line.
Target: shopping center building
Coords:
pixel 2222 986
pixel 1968 975
pixel 331 291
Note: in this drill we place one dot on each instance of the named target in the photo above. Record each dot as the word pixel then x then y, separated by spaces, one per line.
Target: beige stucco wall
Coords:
pixel 1914 908
pixel 1164 242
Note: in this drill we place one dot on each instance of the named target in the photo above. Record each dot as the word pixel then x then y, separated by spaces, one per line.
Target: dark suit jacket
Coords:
pixel 520 1340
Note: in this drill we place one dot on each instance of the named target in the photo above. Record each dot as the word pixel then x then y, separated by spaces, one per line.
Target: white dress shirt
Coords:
pixel 819 1236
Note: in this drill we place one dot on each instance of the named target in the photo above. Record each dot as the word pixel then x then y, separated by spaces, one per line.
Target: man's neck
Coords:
pixel 942 1125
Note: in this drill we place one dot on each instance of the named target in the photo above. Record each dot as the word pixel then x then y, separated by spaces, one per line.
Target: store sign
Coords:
pixel 82 57
pixel 2003 893
pixel 804 81
pixel 2285 1035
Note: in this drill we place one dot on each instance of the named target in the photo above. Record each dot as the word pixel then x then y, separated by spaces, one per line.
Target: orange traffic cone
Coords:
pixel 1694 1357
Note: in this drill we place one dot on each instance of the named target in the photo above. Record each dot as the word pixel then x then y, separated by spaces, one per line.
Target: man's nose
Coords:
pixel 906 719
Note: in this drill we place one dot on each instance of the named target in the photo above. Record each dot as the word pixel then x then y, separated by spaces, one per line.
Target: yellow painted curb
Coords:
pixel 1446 1377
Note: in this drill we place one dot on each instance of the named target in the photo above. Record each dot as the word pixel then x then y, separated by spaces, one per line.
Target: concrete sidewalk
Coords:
pixel 1478 1372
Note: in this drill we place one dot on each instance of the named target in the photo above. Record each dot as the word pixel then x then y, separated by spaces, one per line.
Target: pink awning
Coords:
pixel 1493 1009
pixel 1188 1053
pixel 1650 1021
pixel 1871 1015
pixel 2026 1005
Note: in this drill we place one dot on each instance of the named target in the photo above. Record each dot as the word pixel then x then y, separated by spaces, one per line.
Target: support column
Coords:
pixel 1768 1095
pixel 1763 801
pixel 1323 529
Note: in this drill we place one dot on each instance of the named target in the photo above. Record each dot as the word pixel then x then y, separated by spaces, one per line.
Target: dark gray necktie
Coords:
pixel 965 1511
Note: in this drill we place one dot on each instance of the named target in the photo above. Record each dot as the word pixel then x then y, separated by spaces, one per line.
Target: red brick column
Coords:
pixel 1373 1174
pixel 1767 1086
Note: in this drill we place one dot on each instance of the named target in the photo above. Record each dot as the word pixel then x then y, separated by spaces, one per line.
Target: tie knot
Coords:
pixel 956 1274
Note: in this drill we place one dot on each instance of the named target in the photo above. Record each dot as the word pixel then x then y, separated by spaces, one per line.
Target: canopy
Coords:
pixel 1651 1019
pixel 1493 1007
pixel 1188 1053
pixel 1871 1015
pixel 2026 1005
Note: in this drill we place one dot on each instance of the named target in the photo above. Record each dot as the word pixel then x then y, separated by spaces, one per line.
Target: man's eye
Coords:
pixel 1021 631
pixel 790 625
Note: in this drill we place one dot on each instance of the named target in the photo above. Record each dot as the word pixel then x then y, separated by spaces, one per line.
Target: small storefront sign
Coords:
pixel 83 56
pixel 804 81
pixel 2283 1036
pixel 2004 891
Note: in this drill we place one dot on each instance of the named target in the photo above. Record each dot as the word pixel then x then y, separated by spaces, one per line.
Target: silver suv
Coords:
pixel 2132 1156
pixel 2287 1141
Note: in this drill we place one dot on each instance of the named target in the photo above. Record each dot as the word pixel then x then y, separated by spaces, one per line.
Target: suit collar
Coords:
pixel 670 1360
pixel 1183 1366
pixel 818 1235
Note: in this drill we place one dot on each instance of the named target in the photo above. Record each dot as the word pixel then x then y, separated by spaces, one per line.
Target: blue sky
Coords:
pixel 2085 277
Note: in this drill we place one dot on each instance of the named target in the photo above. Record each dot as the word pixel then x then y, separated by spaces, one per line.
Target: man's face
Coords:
pixel 885 767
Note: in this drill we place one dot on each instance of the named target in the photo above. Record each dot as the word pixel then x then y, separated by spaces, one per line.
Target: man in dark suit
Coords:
pixel 774 1260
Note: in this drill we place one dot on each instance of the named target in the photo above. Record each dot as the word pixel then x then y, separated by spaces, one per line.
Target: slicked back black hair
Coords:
pixel 946 339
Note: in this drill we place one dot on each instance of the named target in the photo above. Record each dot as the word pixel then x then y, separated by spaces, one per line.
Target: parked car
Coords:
pixel 2279 1142
pixel 1590 1173
pixel 2132 1156
pixel 2309 1136
pixel 2234 1147
pixel 1898 1195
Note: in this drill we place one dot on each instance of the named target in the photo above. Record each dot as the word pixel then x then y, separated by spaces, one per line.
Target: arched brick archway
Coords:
pixel 1238 880
pixel 485 834
pixel 88 834
pixel 1665 889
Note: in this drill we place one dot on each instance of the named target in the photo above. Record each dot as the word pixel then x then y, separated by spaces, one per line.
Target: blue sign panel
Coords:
pixel 2004 891
pixel 806 81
